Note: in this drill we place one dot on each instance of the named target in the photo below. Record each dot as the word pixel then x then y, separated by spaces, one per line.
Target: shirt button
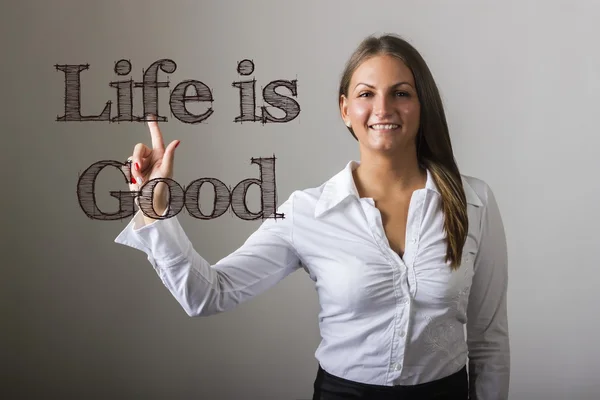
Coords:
pixel 414 240
pixel 402 333
pixel 396 367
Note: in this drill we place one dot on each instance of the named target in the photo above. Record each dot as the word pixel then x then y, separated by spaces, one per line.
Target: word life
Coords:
pixel 178 97
pixel 180 197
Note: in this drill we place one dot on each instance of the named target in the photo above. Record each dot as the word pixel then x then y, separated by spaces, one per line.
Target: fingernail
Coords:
pixel 177 144
pixel 133 180
pixel 137 166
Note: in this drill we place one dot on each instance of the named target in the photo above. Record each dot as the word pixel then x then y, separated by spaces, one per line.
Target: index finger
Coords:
pixel 157 140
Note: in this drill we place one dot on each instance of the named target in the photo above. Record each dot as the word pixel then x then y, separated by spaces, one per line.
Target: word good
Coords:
pixel 179 96
pixel 180 197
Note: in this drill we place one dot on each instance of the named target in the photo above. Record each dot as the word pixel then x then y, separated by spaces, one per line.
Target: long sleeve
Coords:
pixel 265 258
pixel 487 326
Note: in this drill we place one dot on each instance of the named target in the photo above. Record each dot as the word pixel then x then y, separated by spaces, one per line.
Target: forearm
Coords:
pixel 266 257
pixel 489 369
pixel 203 290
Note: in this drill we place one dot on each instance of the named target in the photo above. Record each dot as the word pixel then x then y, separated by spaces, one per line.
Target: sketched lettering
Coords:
pixel 248 98
pixel 178 97
pixel 180 197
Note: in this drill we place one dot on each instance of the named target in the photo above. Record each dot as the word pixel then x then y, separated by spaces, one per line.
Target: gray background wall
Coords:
pixel 85 318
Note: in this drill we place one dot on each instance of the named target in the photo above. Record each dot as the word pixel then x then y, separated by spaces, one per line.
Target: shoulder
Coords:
pixel 477 189
pixel 317 200
pixel 305 201
pixel 296 210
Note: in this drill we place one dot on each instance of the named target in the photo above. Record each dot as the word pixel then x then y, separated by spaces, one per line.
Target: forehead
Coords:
pixel 382 69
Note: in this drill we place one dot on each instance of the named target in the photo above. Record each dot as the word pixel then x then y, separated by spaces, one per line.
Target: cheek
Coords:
pixel 411 112
pixel 359 111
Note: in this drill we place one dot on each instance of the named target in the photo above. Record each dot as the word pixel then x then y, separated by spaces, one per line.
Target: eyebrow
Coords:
pixel 393 86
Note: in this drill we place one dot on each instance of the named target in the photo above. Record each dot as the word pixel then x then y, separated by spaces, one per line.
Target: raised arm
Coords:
pixel 487 326
pixel 266 257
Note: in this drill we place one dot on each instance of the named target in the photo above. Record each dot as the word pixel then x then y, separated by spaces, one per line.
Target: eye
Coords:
pixel 364 94
pixel 402 94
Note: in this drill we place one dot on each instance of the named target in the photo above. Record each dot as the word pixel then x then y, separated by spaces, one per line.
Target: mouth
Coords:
pixel 384 127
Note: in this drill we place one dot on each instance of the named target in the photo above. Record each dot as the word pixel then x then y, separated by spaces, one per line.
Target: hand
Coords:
pixel 148 164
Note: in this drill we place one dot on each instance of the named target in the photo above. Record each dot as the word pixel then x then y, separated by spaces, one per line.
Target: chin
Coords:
pixel 381 146
pixel 386 145
pixel 386 140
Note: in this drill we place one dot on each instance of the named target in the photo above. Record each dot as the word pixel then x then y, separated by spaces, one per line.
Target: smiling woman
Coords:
pixel 403 249
pixel 391 105
pixel 381 104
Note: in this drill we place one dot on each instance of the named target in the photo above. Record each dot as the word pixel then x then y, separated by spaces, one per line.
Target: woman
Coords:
pixel 404 250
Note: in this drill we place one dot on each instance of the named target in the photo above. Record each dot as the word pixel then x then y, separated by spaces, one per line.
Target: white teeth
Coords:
pixel 385 126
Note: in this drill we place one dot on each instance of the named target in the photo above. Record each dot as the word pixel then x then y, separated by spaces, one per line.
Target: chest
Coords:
pixel 372 257
pixel 394 219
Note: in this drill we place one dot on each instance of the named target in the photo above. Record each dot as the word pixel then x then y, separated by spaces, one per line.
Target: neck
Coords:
pixel 380 175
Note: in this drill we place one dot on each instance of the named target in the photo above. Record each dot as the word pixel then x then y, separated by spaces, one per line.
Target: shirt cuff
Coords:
pixel 164 241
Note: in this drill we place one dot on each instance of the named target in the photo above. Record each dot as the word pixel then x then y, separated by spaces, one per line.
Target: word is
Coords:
pixel 180 197
pixel 178 97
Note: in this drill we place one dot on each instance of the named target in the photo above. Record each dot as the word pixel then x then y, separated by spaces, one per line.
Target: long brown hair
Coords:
pixel 434 149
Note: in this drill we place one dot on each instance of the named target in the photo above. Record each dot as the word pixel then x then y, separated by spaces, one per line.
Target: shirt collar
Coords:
pixel 341 186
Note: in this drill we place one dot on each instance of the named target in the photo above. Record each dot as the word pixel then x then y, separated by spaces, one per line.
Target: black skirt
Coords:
pixel 330 387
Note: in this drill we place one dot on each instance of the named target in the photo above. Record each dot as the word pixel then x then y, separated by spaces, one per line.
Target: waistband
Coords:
pixel 455 386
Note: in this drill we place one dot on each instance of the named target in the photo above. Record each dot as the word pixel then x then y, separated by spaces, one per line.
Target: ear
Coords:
pixel 344 109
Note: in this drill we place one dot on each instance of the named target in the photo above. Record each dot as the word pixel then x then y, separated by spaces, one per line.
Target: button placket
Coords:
pixel 400 282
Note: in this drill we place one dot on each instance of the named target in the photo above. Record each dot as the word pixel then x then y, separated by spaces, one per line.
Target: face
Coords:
pixel 382 106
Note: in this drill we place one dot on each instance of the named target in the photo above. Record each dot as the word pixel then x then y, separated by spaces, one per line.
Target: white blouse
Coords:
pixel 384 319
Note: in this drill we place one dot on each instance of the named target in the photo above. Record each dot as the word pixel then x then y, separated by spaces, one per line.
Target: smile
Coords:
pixel 383 127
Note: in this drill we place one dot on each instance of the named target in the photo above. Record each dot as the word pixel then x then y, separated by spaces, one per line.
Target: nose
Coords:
pixel 382 106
